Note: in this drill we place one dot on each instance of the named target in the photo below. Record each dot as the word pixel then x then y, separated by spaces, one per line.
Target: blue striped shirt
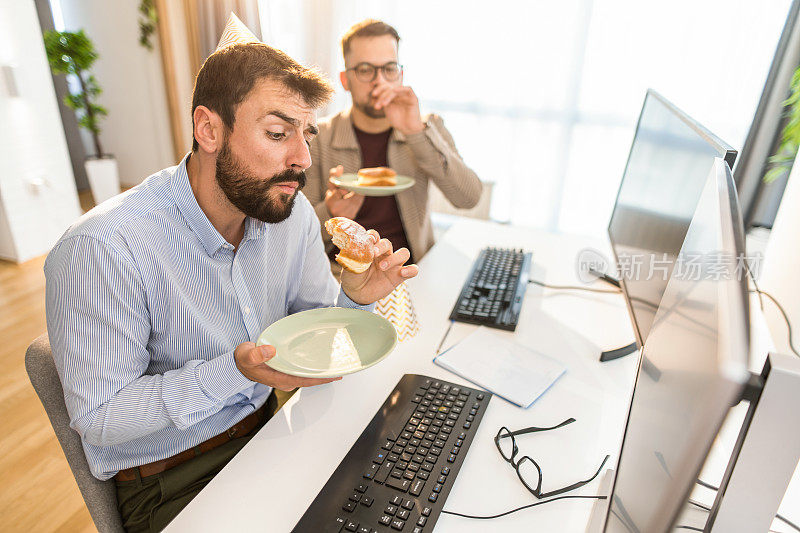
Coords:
pixel 146 302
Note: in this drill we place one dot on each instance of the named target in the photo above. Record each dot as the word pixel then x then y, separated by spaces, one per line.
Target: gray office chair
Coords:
pixel 100 496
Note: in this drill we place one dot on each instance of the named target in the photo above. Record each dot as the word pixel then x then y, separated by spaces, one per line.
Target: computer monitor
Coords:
pixel 692 370
pixel 664 176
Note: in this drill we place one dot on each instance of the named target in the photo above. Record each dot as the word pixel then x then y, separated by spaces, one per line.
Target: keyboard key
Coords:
pixel 428 466
pixel 349 507
pixel 451 459
pixel 445 470
pixel 426 511
pixel 408 504
pixel 390 509
pixel 379 457
pixel 441 479
pixel 402 514
pixel 393 457
pixel 363 529
pixel 458 443
pixel 384 472
pixel 467 425
pixel 426 384
pixel 397 473
pixel 409 475
pixel 351 526
pixel 399 484
pixel 479 396
pixel 397 501
pixel 385 520
pixel 338 523
pixel 366 501
pixel 416 399
pixel 370 473
pixel 417 529
pixel 436 451
pixel 422 474
pixel 398 524
pixel 355 497
pixel 433 497
pixel 421 521
pixel 362 488
pixel 437 487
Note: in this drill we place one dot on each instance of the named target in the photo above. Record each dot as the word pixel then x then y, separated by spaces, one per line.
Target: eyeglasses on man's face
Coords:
pixel 528 470
pixel 367 72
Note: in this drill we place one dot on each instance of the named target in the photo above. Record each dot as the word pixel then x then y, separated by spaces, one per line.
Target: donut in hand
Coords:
pixel 355 244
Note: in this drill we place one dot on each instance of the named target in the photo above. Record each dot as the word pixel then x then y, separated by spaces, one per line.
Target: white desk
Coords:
pixel 269 485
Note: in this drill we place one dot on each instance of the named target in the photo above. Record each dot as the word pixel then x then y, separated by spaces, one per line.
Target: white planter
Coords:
pixel 103 178
pixel 779 276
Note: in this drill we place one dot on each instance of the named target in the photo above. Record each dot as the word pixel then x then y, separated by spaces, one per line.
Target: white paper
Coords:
pixel 509 370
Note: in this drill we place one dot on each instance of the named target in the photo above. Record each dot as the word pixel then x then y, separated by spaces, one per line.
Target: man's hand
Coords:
pixel 401 107
pixel 250 361
pixel 384 274
pixel 341 203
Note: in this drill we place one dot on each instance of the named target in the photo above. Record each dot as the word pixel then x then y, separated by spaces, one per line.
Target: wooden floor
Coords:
pixel 37 490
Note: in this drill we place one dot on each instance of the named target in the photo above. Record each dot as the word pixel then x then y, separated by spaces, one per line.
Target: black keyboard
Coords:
pixel 397 475
pixel 492 295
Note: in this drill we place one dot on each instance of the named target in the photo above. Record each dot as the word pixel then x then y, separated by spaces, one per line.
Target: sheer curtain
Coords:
pixel 542 97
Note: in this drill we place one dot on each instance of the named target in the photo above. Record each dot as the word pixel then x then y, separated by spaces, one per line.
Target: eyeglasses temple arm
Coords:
pixel 535 429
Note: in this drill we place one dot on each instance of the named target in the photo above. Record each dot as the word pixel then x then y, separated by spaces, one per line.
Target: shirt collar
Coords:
pixel 197 220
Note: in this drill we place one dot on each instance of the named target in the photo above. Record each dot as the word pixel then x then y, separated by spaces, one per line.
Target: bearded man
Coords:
pixel 154 298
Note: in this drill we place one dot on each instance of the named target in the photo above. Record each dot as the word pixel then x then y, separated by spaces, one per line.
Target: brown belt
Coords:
pixel 240 429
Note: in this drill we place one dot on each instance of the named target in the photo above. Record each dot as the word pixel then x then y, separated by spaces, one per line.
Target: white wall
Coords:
pixel 136 129
pixel 38 199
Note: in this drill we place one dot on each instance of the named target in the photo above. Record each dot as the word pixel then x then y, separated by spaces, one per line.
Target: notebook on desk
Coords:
pixel 510 370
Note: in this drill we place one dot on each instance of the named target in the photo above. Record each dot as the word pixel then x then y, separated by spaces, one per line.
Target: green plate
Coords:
pixel 348 181
pixel 329 342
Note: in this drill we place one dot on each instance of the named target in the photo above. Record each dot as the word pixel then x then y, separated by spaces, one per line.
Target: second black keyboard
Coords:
pixel 492 295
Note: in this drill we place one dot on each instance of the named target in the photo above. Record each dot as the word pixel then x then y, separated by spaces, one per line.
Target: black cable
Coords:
pixel 785 318
pixel 689 527
pixel 571 287
pixel 706 485
pixel 524 507
pixel 779 517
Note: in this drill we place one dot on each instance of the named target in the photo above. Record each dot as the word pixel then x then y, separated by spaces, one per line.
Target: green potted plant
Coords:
pixel 72 53
pixel 782 255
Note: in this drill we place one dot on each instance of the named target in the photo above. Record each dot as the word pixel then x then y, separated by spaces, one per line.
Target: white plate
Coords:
pixel 329 342
pixel 350 182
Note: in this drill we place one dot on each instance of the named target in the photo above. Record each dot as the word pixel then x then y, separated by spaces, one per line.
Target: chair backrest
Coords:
pixel 100 496
pixel 438 203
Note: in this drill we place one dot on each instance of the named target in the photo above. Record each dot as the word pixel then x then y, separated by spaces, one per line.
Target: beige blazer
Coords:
pixel 428 156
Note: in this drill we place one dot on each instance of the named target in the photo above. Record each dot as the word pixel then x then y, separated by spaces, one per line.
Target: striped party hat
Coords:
pixel 235 32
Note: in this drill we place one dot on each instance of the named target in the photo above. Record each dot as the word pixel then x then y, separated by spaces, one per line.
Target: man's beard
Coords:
pixel 250 194
pixel 369 110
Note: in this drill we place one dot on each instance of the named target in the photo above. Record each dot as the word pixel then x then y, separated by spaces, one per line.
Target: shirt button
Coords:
pixel 247 310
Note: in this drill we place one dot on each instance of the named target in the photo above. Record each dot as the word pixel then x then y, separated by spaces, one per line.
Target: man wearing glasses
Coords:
pixel 384 127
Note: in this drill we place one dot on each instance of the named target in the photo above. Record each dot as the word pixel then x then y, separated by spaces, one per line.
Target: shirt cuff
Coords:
pixel 344 301
pixel 221 379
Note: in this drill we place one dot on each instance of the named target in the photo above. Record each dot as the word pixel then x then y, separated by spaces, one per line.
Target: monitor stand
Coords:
pixel 616 353
pixel 610 355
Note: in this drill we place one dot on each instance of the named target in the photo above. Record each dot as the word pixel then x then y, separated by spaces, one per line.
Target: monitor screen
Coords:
pixel 667 168
pixel 693 368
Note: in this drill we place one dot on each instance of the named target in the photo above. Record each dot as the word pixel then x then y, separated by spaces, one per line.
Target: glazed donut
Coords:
pixel 355 244
pixel 377 177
